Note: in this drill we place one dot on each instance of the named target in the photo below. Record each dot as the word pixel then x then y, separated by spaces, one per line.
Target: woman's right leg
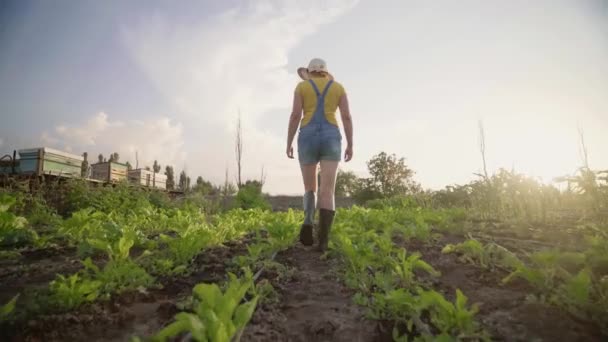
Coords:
pixel 329 169
pixel 327 205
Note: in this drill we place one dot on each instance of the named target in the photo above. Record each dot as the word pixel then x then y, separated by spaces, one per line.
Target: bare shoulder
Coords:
pixel 339 86
pixel 300 85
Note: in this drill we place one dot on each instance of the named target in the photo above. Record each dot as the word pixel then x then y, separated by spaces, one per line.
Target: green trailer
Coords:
pixel 9 165
pixel 47 161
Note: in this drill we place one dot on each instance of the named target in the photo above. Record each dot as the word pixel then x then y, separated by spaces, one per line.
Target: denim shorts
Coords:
pixel 318 142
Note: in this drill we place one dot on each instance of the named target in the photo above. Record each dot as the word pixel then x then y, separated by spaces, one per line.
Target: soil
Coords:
pixel 129 314
pixel 503 309
pixel 35 268
pixel 314 305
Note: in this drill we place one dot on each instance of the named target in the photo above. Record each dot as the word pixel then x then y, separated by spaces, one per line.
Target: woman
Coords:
pixel 315 102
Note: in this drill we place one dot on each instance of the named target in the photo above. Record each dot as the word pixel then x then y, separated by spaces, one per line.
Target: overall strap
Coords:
pixel 316 89
pixel 327 88
pixel 314 86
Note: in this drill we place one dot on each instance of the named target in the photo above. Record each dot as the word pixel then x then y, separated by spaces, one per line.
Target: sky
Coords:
pixel 167 80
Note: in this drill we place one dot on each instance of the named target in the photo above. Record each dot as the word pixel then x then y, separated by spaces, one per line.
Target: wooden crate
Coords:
pixel 141 177
pixel 47 161
pixel 159 181
pixel 148 178
pixel 109 172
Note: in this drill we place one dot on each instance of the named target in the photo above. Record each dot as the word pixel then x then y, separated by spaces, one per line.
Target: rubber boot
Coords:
pixel 306 235
pixel 326 219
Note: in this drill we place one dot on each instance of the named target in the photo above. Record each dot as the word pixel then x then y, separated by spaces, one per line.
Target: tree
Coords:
pixel 482 149
pixel 202 186
pixel 183 181
pixel 114 157
pixel 129 166
pixel 170 177
pixel 156 167
pixel 84 167
pixel 238 149
pixel 346 183
pixel 100 158
pixel 227 189
pixel 391 176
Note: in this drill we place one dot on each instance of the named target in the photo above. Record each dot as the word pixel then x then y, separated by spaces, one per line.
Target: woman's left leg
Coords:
pixel 327 204
pixel 309 172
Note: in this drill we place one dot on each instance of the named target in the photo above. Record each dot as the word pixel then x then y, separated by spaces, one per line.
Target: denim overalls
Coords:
pixel 319 139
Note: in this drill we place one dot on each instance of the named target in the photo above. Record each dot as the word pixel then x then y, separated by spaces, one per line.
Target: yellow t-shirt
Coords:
pixel 309 99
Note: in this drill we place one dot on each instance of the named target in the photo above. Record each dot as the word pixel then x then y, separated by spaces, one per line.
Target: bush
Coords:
pixel 398 202
pixel 199 202
pixel 250 197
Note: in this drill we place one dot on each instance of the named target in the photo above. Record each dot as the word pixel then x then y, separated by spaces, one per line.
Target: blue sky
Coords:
pixel 167 79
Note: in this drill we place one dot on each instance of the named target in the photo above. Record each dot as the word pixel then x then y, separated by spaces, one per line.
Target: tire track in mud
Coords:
pixel 314 305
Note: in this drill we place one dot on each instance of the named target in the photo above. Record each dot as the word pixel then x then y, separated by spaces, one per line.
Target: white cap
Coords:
pixel 317 65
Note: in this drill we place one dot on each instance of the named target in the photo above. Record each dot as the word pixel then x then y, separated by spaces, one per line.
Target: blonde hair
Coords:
pixel 318 73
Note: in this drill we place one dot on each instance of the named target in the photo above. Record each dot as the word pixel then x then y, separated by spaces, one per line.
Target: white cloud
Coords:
pixel 157 138
pixel 236 60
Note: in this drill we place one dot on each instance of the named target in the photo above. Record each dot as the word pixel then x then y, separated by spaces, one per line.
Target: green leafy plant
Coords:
pixel 450 318
pixel 119 276
pixel 14 230
pixel 405 265
pixel 118 251
pixel 575 293
pixel 547 269
pixel 218 316
pixel 489 255
pixel 67 293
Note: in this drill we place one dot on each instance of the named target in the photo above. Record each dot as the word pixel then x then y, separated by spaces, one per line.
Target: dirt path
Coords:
pixel 314 306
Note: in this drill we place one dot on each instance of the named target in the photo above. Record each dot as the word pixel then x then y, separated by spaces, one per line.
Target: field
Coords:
pixel 128 264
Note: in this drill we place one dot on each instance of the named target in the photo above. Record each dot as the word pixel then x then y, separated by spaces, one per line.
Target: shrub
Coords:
pixel 250 197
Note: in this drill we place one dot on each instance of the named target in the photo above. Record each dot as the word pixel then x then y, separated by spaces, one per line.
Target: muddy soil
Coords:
pixel 504 311
pixel 565 235
pixel 35 268
pixel 314 305
pixel 128 314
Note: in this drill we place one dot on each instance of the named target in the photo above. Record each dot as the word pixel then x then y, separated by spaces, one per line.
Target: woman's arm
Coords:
pixel 347 121
pixel 294 122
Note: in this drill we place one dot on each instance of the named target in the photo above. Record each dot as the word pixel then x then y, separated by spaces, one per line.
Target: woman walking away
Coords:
pixel 315 102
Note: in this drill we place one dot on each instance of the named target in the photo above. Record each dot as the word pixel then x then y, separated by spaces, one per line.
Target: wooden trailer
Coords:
pixel 110 172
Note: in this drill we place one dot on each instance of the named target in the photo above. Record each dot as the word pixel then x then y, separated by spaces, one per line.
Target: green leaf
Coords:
pixel 172 330
pixel 89 265
pixel 244 312
pixel 8 308
pixel 221 335
pixel 210 294
pixel 576 290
